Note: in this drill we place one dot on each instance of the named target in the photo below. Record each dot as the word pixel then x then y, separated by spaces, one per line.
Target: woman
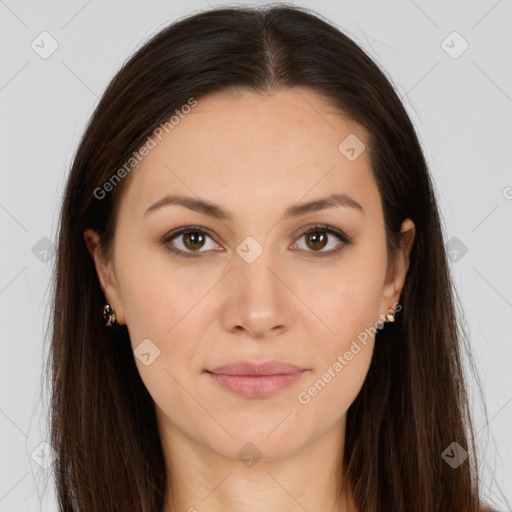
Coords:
pixel 251 211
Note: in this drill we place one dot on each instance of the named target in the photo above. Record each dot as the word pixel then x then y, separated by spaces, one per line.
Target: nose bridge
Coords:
pixel 258 297
pixel 256 265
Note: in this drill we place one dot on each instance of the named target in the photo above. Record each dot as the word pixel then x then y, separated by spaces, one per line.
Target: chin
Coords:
pixel 251 450
pixel 270 438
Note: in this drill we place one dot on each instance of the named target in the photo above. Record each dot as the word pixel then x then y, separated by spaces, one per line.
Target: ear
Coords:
pixel 105 272
pixel 397 272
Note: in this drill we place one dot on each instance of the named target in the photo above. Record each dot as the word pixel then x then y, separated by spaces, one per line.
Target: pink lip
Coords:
pixel 256 380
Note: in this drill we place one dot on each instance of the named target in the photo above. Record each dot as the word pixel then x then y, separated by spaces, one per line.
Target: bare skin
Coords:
pixel 254 156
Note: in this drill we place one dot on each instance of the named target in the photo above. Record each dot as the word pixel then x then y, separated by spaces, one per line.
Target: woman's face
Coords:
pixel 254 288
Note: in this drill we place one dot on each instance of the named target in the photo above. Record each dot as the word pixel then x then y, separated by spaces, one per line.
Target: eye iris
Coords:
pixel 193 240
pixel 318 240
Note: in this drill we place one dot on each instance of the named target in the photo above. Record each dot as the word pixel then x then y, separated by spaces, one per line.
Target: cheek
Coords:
pixel 343 358
pixel 330 392
pixel 162 307
pixel 349 308
pixel 156 298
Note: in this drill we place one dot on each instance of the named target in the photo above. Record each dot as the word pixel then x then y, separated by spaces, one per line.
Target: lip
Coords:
pixel 249 368
pixel 255 380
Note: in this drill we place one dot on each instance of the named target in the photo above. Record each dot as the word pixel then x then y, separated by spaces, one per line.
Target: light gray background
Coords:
pixel 462 110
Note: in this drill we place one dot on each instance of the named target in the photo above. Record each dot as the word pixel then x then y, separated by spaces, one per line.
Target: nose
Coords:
pixel 257 298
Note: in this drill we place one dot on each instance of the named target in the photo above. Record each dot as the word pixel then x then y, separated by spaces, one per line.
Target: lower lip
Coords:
pixel 256 386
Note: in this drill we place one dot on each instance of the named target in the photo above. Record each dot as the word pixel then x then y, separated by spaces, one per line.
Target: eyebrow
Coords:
pixel 216 211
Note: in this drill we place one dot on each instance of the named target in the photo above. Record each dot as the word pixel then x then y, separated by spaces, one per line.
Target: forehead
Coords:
pixel 240 148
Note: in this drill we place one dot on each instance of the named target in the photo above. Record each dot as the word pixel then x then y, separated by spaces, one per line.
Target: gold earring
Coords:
pixel 390 316
pixel 109 315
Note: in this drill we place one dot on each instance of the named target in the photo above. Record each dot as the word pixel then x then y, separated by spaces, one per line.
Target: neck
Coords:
pixel 202 480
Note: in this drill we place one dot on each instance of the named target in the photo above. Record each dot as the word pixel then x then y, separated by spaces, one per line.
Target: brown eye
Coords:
pixel 320 236
pixel 188 242
pixel 193 240
pixel 316 240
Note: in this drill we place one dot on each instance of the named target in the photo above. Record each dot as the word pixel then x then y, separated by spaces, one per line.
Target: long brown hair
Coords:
pixel 413 404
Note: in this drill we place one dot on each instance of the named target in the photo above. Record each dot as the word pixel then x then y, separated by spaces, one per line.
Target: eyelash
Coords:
pixel 346 240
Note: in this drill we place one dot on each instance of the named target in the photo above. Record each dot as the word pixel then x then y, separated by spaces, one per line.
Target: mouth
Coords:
pixel 254 380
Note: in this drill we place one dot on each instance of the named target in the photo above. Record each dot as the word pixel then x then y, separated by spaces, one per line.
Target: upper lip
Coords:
pixel 249 368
